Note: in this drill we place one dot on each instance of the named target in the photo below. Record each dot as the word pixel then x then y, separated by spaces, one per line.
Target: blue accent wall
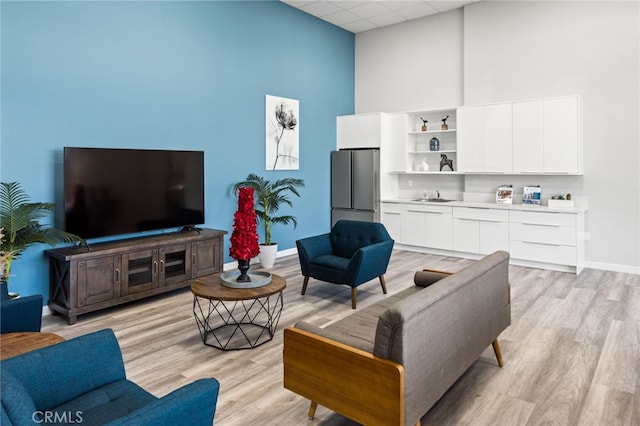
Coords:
pixel 169 75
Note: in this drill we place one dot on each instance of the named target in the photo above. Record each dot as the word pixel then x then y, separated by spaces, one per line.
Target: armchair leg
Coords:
pixel 312 409
pixel 383 284
pixel 353 297
pixel 304 285
pixel 498 352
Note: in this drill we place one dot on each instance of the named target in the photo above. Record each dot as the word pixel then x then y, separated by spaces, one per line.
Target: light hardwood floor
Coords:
pixel 572 351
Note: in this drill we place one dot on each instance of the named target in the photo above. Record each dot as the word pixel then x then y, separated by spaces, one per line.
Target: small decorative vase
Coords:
pixel 434 144
pixel 243 266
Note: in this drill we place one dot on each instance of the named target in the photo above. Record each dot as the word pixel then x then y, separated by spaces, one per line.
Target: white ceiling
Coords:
pixel 357 16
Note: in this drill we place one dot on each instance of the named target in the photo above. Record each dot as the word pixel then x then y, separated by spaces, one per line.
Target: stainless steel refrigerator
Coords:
pixel 355 185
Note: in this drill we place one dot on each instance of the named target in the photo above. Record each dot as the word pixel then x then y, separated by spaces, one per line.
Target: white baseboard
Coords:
pixel 614 267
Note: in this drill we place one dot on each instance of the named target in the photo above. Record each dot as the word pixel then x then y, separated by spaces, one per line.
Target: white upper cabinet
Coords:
pixel 471 139
pixel 498 138
pixel 485 139
pixel 562 147
pixel 546 136
pixel 536 137
pixel 358 131
pixel 528 137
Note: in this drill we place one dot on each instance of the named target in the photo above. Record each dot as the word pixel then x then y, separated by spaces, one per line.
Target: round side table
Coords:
pixel 236 318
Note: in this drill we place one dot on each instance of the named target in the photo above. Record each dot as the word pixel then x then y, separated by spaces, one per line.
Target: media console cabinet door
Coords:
pixel 98 280
pixel 206 257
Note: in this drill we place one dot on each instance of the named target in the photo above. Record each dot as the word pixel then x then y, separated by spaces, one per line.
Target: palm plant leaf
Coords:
pixel 270 197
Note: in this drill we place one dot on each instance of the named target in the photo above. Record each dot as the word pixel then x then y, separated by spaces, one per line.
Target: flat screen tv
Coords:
pixel 111 191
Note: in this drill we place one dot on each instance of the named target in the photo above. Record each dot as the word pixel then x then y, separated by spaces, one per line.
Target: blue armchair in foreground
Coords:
pixel 83 380
pixel 352 253
pixel 21 314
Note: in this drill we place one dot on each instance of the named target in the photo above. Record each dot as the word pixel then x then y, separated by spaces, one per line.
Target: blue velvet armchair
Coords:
pixel 352 253
pixel 21 314
pixel 83 381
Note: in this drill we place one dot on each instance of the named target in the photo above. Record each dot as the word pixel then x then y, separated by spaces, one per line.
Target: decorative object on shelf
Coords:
pixel 282 133
pixel 270 197
pixel 445 126
pixel 504 194
pixel 531 195
pixel 560 201
pixel 424 124
pixel 424 166
pixel 444 161
pixel 21 227
pixel 244 238
pixel 434 144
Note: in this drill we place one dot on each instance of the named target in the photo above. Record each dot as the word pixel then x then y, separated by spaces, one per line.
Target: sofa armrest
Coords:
pixel 21 314
pixel 370 261
pixel 194 403
pixel 426 277
pixel 311 247
pixel 341 378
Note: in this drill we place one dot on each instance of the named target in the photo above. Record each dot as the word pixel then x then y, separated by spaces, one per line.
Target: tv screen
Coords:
pixel 110 191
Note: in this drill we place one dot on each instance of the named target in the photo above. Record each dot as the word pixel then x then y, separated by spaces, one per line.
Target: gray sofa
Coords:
pixel 391 362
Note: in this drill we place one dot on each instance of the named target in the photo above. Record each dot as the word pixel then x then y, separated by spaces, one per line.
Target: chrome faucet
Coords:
pixel 438 193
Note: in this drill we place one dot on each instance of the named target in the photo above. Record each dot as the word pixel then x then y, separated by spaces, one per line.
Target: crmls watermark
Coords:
pixel 53 417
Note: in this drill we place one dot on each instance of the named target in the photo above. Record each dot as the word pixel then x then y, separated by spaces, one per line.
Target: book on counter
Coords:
pixel 504 194
pixel 531 194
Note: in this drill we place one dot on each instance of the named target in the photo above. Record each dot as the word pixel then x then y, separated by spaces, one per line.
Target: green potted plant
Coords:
pixel 21 227
pixel 270 196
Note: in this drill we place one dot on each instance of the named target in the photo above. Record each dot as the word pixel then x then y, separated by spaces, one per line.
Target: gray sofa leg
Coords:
pixel 312 409
pixel 304 285
pixel 498 352
pixel 353 297
pixel 383 284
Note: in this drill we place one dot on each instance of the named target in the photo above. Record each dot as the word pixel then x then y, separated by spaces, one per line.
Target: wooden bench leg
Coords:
pixel 498 352
pixel 304 285
pixel 353 297
pixel 383 284
pixel 312 409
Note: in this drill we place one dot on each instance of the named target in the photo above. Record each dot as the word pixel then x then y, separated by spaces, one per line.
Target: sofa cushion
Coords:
pixel 332 262
pixel 17 405
pixel 359 329
pixel 106 403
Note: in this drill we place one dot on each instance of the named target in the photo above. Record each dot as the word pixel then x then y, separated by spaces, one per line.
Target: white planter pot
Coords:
pixel 267 255
pixel 560 204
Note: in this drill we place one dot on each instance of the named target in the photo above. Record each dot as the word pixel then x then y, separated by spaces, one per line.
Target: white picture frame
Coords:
pixel 504 194
pixel 282 130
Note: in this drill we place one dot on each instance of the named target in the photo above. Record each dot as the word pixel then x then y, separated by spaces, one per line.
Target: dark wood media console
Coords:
pixel 85 279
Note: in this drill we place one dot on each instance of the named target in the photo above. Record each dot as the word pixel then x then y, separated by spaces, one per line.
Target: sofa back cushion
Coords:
pixel 440 331
pixel 59 373
pixel 348 236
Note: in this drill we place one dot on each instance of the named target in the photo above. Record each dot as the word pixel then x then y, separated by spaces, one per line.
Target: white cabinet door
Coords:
pixel 493 236
pixel 358 131
pixel 466 235
pixel 391 218
pixel 561 136
pixel 470 139
pixel 528 137
pixel 414 228
pixel 438 226
pixel 498 138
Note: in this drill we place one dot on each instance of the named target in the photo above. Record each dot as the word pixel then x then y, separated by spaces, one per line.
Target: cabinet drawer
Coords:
pixel 544 218
pixel 429 209
pixel 548 234
pixel 548 253
pixel 483 214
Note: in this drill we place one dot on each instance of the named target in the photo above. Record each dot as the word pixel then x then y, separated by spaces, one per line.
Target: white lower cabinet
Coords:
pixel 480 230
pixel 547 237
pixel 427 226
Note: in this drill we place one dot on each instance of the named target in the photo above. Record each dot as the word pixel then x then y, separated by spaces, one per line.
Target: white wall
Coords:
pixel 520 50
pixel 416 65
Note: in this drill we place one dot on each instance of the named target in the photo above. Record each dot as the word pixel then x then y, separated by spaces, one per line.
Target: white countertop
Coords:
pixel 460 203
